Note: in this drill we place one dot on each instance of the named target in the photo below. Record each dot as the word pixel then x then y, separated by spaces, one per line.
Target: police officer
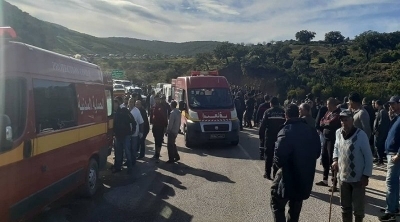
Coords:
pixel 272 121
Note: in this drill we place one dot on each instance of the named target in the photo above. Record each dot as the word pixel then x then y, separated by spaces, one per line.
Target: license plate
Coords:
pixel 217 136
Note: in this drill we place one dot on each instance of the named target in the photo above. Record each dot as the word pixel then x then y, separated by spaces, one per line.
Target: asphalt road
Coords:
pixel 209 184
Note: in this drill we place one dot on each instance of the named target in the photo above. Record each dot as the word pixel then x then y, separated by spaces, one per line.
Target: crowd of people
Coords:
pixel 132 125
pixel 349 136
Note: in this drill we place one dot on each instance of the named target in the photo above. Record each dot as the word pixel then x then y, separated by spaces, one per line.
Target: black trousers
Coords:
pixel 269 159
pixel 278 204
pixel 240 117
pixel 171 146
pixel 158 133
pixel 327 156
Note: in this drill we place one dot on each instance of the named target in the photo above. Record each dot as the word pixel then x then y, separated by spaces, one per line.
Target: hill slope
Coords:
pixel 169 48
pixel 58 38
pixel 63 40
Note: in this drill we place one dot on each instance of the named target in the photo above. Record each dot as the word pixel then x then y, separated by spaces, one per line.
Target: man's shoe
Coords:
pixel 387 217
pixel 268 177
pixel 383 210
pixel 170 161
pixel 322 183
pixel 177 159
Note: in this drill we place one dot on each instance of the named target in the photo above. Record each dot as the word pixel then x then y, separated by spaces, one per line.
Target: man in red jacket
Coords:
pixel 159 120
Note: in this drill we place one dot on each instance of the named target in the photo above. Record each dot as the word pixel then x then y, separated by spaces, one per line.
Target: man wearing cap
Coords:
pixel 392 147
pixel 361 116
pixel 352 159
pixel 296 152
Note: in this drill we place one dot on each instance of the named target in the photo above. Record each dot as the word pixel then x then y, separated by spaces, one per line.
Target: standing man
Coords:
pixel 159 120
pixel 305 113
pixel 352 159
pixel 250 103
pixel 361 116
pixel 392 147
pixel 138 131
pixel 272 122
pixel 296 153
pixel 146 129
pixel 123 121
pixel 262 108
pixel 329 124
pixel 381 129
pixel 240 108
pixel 174 124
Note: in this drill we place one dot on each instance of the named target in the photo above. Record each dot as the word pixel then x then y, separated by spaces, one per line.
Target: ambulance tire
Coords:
pixel 91 184
pixel 235 143
pixel 188 143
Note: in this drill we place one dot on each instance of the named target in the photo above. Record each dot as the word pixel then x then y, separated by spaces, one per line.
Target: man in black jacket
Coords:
pixel 124 122
pixel 297 150
pixel 380 130
pixel 240 108
pixel 261 109
pixel 271 123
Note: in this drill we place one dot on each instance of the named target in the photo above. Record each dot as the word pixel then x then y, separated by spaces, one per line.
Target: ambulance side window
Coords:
pixel 55 105
pixel 15 106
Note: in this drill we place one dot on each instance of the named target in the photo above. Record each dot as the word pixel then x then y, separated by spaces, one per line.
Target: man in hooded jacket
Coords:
pixel 296 153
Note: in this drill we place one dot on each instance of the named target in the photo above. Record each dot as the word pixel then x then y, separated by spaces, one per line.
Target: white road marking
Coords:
pixel 249 157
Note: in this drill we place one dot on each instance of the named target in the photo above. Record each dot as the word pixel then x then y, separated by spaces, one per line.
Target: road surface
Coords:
pixel 208 184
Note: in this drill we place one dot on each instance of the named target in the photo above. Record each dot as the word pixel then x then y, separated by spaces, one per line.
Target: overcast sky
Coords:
pixel 249 21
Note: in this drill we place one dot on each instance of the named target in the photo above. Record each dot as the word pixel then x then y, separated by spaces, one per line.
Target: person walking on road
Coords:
pixel 352 159
pixel 262 108
pixel 173 127
pixel 271 123
pixel 146 129
pixel 329 124
pixel 138 131
pixel 361 116
pixel 297 150
pixel 392 147
pixel 160 121
pixel 380 131
pixel 240 108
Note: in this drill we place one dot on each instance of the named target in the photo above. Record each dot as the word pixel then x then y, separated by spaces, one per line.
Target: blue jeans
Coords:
pixel 123 144
pixel 135 146
pixel 392 185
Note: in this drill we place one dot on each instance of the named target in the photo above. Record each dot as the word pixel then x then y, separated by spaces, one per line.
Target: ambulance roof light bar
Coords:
pixel 8 32
pixel 204 73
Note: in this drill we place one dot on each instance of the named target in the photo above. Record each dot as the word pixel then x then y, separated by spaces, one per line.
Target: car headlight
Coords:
pixel 193 115
pixel 233 114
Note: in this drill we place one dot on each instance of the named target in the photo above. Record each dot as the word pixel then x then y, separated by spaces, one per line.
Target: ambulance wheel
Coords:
pixel 235 143
pixel 188 143
pixel 91 179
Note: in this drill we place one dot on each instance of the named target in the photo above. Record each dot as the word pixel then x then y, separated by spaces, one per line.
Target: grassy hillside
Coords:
pixel 58 38
pixel 63 40
pixel 169 48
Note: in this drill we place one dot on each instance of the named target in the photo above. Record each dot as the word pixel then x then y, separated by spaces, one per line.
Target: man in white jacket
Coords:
pixel 174 124
pixel 352 159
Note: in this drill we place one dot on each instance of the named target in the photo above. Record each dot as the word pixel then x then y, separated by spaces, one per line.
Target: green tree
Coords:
pixel 339 52
pixel 369 42
pixel 334 37
pixel 305 36
pixel 223 51
pixel 239 52
pixel 203 59
pixel 305 54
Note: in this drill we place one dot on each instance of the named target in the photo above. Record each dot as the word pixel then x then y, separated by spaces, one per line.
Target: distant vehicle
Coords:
pixel 55 129
pixel 159 87
pixel 135 90
pixel 167 90
pixel 208 112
